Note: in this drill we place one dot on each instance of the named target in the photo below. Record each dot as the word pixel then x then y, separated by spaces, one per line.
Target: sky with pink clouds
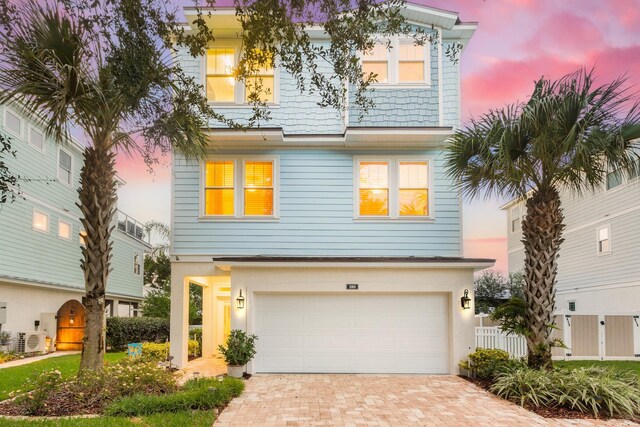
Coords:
pixel 517 41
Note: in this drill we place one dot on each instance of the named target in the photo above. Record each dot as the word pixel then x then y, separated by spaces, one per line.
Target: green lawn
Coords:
pixel 179 419
pixel 12 379
pixel 619 365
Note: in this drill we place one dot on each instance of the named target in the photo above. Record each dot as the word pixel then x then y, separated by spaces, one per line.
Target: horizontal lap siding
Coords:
pixel 316 214
pixel 31 255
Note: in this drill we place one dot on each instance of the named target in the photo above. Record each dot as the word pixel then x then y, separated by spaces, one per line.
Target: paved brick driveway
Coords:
pixel 378 400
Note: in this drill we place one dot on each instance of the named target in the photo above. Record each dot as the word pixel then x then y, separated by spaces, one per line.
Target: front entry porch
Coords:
pixel 216 316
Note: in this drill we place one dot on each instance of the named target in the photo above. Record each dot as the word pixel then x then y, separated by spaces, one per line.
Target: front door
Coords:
pixel 70 321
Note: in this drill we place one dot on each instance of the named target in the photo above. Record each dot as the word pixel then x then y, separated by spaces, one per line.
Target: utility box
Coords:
pixel 3 313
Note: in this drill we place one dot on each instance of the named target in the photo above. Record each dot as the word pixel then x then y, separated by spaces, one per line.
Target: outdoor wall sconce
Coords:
pixel 71 317
pixel 465 301
pixel 240 300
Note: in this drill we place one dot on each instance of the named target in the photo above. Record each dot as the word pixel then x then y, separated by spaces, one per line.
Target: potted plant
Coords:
pixel 5 339
pixel 238 351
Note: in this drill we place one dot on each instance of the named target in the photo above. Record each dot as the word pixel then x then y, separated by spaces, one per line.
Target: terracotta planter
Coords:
pixel 235 371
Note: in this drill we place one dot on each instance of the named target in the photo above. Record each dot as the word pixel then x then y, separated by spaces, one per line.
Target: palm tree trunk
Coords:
pixel 97 203
pixel 542 235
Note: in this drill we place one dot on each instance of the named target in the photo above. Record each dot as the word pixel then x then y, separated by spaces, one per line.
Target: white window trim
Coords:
pixel 31 128
pixel 514 214
pixel 394 189
pixel 601 227
pixel 140 264
pixel 393 66
pixel 60 221
pixel 4 122
pixel 238 189
pixel 69 184
pixel 239 92
pixel 33 217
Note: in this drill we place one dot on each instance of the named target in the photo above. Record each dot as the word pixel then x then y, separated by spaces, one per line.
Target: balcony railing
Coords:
pixel 130 226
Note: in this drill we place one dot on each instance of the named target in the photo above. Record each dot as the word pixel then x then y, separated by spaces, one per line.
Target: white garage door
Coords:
pixel 352 333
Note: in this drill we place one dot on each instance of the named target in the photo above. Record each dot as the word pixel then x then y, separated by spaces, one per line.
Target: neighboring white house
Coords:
pixel 337 241
pixel 598 281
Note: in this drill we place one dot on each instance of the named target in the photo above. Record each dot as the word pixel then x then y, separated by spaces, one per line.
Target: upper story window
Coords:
pixel 392 188
pixel 617 177
pixel 221 83
pixel 404 63
pixel 137 264
pixel 12 123
pixel 83 238
pixel 604 240
pixel 40 221
pixel 64 230
pixel 572 306
pixel 237 188
pixel 65 166
pixel 36 139
pixel 515 219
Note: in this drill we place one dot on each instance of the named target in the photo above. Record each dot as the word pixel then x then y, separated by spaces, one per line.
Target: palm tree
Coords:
pixel 565 138
pixel 54 69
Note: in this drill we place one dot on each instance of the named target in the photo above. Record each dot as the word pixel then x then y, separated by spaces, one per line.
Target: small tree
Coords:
pixel 490 291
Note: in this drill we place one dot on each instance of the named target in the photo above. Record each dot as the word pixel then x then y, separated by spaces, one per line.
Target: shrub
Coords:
pixel 202 394
pixel 588 390
pixel 486 363
pixel 124 330
pixel 239 349
pixel 160 351
pixel 8 357
pixel 43 383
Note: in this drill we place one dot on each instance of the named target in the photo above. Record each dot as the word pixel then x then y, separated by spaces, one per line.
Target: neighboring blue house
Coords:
pixel 41 235
pixel 338 242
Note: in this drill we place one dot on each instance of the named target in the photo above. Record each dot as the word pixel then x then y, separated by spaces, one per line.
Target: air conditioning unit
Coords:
pixel 31 342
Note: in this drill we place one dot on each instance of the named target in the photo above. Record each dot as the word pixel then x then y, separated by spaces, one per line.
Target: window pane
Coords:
pixel 258 201
pixel 378 53
pixel 220 61
pixel 413 174
pixel 604 246
pixel 409 51
pixel 221 89
pixel 64 230
pixel 374 202
pixel 374 175
pixel 411 72
pixel 13 123
pixel 380 68
pixel 219 201
pixel 219 174
pixel 258 174
pixel 603 233
pixel 414 202
pixel 264 85
pixel 40 221
pixel 36 139
pixel 64 161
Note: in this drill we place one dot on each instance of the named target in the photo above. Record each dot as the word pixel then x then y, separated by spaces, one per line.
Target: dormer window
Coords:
pixel 404 63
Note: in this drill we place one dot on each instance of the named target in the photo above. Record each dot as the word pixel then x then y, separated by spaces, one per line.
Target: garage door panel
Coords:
pixel 394 333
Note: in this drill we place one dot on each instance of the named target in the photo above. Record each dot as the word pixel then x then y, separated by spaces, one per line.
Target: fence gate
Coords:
pixel 70 326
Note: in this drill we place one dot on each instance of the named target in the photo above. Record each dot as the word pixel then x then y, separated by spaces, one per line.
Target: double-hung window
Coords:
pixel 515 219
pixel 36 139
pixel 392 188
pixel 401 63
pixel 604 240
pixel 65 167
pixel 221 78
pixel 12 123
pixel 240 188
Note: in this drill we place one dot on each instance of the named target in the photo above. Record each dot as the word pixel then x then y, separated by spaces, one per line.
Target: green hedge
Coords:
pixel 124 330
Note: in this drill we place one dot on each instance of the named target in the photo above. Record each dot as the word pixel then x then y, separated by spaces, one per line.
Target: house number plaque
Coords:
pixel 352 286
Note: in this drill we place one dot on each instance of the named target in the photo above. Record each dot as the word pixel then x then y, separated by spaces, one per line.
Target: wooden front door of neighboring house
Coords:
pixel 70 319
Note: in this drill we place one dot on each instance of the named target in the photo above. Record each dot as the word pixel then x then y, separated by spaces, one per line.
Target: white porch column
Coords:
pixel 179 335
pixel 208 321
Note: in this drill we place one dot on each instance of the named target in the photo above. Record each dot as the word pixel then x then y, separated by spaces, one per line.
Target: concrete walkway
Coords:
pixel 27 360
pixel 378 400
pixel 202 367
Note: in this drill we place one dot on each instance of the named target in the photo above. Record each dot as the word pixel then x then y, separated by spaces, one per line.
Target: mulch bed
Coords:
pixel 559 412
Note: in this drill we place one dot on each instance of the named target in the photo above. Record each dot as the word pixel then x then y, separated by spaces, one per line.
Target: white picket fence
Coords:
pixel 493 337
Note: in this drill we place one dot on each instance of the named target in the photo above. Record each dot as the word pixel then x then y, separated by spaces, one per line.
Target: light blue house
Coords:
pixel 338 242
pixel 41 235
